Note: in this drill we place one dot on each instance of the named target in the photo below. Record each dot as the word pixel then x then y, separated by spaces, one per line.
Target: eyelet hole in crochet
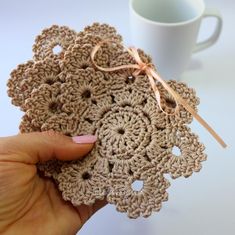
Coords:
pixel 176 151
pixel 86 175
pixel 145 114
pixel 130 79
pixel 147 158
pixel 84 65
pixel 86 94
pixel 137 185
pixel 88 120
pixel 111 165
pixel 144 102
pixel 113 99
pixel 57 49
pixel 94 102
pixel 106 77
pixel 54 107
pixel 121 131
pixel 49 81
pixel 170 103
pixel 125 104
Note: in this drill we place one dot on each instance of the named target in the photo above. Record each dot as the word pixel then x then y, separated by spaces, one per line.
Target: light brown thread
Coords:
pixel 102 30
pixel 49 38
pixel 15 90
pixel 68 94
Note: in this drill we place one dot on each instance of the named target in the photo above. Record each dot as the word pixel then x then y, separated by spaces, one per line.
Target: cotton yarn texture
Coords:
pixel 65 92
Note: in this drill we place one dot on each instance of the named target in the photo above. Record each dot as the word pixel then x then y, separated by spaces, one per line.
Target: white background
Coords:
pixel 201 205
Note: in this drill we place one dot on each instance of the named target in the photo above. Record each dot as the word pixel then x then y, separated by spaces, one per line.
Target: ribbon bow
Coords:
pixel 154 77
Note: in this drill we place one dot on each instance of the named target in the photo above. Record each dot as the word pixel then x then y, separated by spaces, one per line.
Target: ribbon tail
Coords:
pixel 157 93
pixel 184 103
pixel 203 122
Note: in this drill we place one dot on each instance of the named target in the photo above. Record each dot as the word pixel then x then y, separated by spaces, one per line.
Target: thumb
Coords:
pixel 33 147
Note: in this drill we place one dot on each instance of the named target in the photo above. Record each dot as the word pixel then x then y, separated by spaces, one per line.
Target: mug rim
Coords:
pixel 166 23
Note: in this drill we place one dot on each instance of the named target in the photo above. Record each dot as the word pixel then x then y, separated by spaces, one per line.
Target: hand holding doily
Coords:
pixel 31 204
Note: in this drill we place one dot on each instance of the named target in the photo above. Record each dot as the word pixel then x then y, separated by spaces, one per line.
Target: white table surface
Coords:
pixel 201 205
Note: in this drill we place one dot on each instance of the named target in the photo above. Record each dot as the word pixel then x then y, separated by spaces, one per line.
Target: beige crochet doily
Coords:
pixel 67 93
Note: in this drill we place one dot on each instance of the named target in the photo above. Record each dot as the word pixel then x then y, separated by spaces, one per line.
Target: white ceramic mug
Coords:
pixel 168 31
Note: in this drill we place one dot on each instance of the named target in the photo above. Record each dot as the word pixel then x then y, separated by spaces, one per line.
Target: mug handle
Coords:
pixel 210 12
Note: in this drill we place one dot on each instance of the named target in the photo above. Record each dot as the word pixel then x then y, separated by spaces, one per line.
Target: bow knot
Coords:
pixel 143 68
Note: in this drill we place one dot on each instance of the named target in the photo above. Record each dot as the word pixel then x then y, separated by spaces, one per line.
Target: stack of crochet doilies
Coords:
pixel 65 92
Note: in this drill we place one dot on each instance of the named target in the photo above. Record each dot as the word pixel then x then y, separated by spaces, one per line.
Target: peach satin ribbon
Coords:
pixel 153 77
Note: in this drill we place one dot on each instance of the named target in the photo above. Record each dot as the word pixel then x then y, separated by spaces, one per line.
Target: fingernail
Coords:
pixel 84 139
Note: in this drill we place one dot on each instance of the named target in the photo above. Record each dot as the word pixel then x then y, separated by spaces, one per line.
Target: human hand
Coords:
pixel 30 204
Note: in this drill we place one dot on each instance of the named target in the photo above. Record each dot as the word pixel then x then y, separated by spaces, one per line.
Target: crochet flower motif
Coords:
pixel 65 92
pixel 78 54
pixel 49 39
